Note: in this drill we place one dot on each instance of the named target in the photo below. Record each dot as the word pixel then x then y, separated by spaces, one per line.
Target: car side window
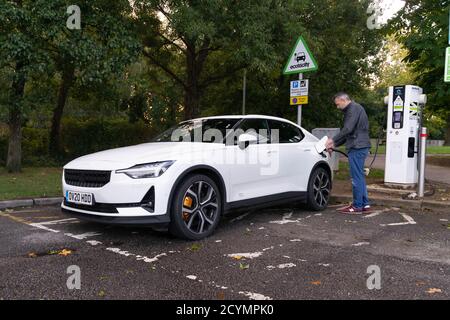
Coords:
pixel 257 127
pixel 283 132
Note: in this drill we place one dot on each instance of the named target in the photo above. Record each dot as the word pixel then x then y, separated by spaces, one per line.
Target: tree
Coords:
pixel 200 43
pixel 422 27
pixel 332 29
pixel 20 56
pixel 102 47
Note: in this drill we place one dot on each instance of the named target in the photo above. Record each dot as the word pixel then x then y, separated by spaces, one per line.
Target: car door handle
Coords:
pixel 306 150
pixel 272 152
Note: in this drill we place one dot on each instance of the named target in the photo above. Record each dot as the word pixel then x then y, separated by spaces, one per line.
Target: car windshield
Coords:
pixel 206 131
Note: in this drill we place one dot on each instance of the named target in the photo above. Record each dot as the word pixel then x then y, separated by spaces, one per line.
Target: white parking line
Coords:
pixel 43 225
pixel 83 235
pixel 360 244
pixel 250 295
pixel 409 221
pixel 254 296
pixel 376 213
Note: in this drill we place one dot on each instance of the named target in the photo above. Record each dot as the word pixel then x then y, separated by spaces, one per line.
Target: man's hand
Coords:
pixel 330 146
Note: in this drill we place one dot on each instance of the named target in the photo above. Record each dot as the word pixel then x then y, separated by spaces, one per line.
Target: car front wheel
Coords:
pixel 319 189
pixel 196 208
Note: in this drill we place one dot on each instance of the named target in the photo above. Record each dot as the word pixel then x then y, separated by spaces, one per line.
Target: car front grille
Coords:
pixel 87 178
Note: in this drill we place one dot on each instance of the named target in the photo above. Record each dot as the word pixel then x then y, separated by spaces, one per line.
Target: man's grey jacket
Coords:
pixel 355 133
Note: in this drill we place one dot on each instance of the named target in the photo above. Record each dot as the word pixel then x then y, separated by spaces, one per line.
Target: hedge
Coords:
pixel 78 138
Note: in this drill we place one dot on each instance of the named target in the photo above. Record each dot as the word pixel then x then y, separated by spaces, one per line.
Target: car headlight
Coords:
pixel 148 170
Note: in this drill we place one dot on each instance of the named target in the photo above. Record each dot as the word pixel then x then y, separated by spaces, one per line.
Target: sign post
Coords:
pixel 447 65
pixel 300 61
pixel 447 56
pixel 299 112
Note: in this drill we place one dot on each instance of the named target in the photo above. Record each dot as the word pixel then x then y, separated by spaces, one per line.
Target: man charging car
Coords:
pixel 355 136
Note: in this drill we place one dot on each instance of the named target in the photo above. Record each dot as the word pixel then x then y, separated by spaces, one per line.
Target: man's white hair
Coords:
pixel 342 95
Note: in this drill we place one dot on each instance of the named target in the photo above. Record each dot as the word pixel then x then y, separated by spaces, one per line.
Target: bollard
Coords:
pixel 423 154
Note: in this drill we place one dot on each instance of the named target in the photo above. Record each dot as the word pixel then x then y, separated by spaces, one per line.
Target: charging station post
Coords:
pixel 423 155
pixel 404 136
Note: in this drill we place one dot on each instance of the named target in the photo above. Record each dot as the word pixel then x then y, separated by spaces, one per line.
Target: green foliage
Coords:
pixel 83 137
pixel 422 27
pixel 332 30
pixel 79 138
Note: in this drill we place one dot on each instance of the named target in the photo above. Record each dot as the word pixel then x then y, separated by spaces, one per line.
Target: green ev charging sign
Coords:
pixel 301 59
pixel 447 65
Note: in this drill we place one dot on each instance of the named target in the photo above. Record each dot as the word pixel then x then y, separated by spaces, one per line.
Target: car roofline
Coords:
pixel 250 116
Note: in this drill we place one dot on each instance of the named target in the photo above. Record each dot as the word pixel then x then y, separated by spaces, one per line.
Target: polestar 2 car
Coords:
pixel 186 178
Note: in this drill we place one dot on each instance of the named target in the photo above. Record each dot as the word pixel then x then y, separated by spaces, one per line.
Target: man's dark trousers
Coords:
pixel 357 159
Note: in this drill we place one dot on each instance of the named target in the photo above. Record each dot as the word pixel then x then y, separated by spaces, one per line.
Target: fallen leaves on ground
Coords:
pixel 237 257
pixel 243 266
pixel 316 283
pixel 32 255
pixel 221 295
pixel 195 247
pixel 65 252
pixel 101 293
pixel 434 290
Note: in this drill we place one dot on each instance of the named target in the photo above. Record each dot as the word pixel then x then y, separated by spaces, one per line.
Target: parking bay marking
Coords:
pixel 43 225
pixel 409 221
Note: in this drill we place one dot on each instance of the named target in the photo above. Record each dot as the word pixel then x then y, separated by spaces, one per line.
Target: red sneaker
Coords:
pixel 352 210
pixel 367 209
pixel 344 208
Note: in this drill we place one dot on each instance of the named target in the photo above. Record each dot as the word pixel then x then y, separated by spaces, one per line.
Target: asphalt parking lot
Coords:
pixel 279 253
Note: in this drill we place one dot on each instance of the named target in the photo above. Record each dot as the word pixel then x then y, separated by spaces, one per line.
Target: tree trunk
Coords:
pixel 191 96
pixel 447 132
pixel 14 158
pixel 195 62
pixel 63 93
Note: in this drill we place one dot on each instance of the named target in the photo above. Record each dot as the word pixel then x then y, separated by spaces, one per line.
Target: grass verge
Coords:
pixel 30 183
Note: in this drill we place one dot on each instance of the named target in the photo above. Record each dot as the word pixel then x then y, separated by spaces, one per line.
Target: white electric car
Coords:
pixel 190 175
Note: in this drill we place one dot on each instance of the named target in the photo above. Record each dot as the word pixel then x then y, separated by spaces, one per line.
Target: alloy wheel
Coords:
pixel 200 207
pixel 321 189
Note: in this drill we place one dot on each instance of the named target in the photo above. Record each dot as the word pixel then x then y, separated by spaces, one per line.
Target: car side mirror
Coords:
pixel 245 140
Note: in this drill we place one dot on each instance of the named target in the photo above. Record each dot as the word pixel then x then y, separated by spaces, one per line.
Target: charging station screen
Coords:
pixel 398 107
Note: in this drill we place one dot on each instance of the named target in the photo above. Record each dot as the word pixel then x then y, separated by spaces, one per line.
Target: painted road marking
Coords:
pixel 360 244
pixel 83 235
pixel 94 242
pixel 376 213
pixel 245 255
pixel 43 225
pixel 409 221
pixel 254 296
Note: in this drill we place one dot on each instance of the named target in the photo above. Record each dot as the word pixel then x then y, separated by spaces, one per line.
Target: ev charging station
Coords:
pixel 404 134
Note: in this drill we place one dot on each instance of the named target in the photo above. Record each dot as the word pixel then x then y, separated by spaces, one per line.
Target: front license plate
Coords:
pixel 80 198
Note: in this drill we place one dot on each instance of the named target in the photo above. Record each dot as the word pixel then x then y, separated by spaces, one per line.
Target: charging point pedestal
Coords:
pixel 402 140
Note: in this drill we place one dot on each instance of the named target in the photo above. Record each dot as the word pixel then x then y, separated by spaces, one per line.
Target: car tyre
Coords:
pixel 319 189
pixel 196 208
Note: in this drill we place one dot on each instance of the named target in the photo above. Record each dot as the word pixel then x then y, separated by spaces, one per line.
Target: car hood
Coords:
pixel 139 154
